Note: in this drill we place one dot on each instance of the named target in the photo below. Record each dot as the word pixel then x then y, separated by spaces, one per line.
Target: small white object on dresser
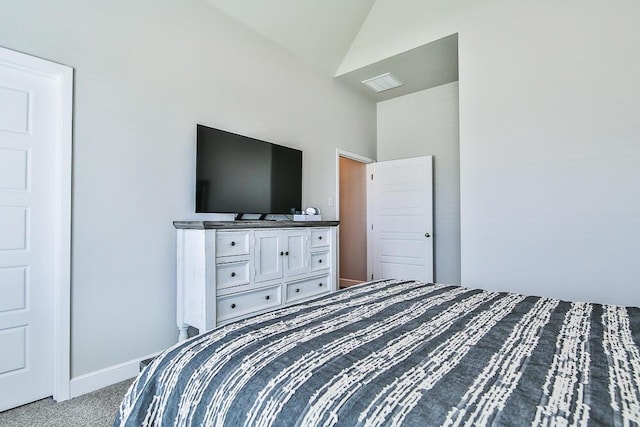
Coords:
pixel 229 270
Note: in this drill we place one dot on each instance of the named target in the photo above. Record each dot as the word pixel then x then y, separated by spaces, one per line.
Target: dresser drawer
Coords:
pixel 246 303
pixel 230 243
pixel 319 261
pixel 232 274
pixel 307 288
pixel 319 237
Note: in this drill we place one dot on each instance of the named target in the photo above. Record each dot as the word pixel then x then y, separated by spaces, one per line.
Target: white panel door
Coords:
pixel 400 218
pixel 28 120
pixel 296 252
pixel 269 255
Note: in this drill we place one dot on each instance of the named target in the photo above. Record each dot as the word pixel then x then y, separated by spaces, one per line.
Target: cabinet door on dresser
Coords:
pixel 269 255
pixel 296 252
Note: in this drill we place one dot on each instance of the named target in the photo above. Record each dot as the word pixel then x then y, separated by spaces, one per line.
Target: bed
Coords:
pixel 402 353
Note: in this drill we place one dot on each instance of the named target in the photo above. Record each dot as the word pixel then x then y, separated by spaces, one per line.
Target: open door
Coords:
pixel 400 219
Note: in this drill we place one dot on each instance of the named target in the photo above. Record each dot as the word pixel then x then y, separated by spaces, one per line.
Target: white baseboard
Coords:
pixel 105 377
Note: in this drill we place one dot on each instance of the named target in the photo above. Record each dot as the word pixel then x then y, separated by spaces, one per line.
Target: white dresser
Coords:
pixel 228 270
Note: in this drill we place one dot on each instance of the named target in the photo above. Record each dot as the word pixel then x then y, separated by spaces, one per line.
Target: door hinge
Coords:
pixel 372 277
pixel 371 177
pixel 372 226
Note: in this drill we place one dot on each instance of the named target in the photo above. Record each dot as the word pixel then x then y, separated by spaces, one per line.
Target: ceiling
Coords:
pixel 424 67
pixel 320 32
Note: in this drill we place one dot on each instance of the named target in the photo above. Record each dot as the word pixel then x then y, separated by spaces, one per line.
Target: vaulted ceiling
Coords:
pixel 320 33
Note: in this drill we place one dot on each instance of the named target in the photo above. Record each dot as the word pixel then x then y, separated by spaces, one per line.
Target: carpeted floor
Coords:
pixel 96 409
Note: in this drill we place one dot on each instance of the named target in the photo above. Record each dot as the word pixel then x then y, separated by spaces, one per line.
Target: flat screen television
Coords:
pixel 242 175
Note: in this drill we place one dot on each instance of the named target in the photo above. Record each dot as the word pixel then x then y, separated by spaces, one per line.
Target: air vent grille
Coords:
pixel 382 82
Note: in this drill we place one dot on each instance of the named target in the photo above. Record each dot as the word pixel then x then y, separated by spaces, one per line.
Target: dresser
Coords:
pixel 229 270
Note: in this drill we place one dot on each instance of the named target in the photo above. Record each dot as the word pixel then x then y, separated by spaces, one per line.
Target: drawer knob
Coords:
pixel 233 274
pixel 233 306
pixel 267 297
pixel 287 253
pixel 320 261
pixel 281 253
pixel 297 289
pixel 320 237
pixel 319 284
pixel 233 243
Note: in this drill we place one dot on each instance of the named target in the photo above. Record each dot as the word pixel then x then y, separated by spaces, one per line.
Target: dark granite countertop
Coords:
pixel 229 225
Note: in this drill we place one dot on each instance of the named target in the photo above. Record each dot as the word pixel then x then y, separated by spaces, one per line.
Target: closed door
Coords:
pixel 400 218
pixel 269 255
pixel 296 252
pixel 28 120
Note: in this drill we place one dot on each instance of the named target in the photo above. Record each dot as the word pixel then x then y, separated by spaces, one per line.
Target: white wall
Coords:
pixel 425 123
pixel 145 73
pixel 549 131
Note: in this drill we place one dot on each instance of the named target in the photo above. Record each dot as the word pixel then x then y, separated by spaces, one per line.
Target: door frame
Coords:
pixel 358 158
pixel 62 75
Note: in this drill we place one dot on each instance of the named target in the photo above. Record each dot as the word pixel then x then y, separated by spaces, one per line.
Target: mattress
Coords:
pixel 402 353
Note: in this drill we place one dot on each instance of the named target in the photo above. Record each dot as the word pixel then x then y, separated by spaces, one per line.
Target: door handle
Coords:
pixel 427 235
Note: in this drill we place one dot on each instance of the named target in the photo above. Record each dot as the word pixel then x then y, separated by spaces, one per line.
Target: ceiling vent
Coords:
pixel 382 82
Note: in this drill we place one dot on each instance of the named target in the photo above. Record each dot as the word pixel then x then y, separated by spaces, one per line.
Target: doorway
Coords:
pixel 352 213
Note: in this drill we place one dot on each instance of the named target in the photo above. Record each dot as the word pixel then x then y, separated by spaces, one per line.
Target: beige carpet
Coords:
pixel 96 409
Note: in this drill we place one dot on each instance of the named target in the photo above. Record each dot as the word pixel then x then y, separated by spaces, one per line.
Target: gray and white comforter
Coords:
pixel 402 353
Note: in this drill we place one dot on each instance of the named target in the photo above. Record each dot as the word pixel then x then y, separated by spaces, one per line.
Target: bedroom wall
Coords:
pixel 145 73
pixel 549 135
pixel 425 123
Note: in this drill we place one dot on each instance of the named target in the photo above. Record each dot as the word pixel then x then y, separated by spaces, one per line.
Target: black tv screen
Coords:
pixel 238 174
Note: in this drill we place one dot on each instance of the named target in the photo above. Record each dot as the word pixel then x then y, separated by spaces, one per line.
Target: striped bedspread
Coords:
pixel 402 353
